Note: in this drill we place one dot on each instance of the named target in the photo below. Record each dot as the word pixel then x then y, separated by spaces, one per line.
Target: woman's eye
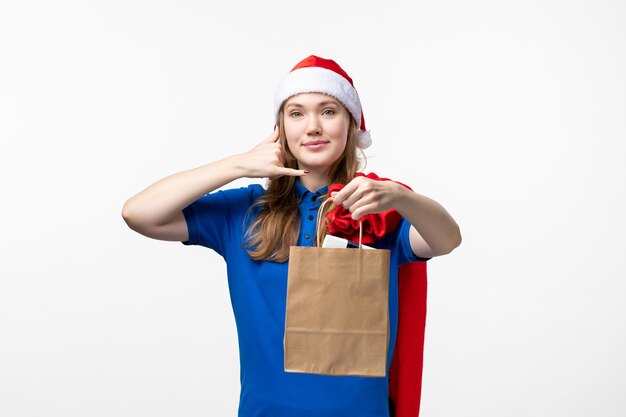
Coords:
pixel 329 111
pixel 295 113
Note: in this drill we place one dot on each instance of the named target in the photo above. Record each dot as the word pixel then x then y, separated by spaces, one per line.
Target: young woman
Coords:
pixel 320 128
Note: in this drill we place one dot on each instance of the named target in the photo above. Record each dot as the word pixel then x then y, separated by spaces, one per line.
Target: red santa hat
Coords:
pixel 318 75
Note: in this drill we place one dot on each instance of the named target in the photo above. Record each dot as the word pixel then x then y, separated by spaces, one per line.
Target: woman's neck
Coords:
pixel 314 181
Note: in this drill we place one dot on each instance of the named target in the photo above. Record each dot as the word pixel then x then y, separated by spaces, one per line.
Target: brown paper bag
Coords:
pixel 337 317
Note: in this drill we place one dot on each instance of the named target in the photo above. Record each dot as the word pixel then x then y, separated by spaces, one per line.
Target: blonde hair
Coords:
pixel 277 226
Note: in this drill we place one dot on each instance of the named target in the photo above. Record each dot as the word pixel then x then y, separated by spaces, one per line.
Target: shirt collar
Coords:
pixel 302 191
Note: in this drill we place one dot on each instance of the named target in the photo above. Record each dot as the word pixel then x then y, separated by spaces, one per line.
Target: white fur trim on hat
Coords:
pixel 318 80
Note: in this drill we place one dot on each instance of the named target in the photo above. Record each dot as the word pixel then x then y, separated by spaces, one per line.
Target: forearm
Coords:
pixel 430 219
pixel 165 198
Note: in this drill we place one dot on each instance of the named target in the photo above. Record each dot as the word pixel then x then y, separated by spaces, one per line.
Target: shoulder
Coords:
pixel 241 199
pixel 227 200
pixel 256 190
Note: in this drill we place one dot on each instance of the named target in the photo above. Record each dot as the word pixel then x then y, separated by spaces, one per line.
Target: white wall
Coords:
pixel 510 114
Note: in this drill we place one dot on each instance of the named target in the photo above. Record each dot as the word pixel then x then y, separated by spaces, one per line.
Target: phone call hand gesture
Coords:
pixel 266 160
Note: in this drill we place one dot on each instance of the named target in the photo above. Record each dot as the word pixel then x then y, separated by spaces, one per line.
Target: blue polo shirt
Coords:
pixel 258 291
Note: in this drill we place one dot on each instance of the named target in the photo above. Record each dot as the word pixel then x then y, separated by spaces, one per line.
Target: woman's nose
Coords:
pixel 313 126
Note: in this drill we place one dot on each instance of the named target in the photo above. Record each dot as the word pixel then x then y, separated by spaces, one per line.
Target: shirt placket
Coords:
pixel 309 218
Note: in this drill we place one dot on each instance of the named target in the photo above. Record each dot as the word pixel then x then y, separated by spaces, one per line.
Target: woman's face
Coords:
pixel 316 129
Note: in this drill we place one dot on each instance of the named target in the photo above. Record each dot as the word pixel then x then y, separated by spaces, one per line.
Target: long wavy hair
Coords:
pixel 277 225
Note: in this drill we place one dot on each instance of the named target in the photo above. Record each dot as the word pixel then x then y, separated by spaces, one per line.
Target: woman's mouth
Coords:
pixel 315 144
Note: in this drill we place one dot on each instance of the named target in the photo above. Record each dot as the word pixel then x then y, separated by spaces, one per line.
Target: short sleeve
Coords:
pixel 403 244
pixel 212 219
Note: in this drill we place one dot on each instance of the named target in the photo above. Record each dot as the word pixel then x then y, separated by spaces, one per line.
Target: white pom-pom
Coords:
pixel 364 139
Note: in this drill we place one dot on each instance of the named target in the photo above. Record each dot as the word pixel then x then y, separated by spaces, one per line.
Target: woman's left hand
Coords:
pixel 363 196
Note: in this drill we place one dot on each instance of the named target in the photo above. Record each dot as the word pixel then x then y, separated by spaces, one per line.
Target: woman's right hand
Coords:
pixel 266 160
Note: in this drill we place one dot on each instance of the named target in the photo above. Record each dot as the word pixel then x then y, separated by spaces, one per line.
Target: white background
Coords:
pixel 510 114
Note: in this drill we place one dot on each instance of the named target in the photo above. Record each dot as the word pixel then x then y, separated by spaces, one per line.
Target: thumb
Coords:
pixel 274 136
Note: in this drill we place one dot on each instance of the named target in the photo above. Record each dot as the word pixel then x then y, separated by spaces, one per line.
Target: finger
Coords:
pixel 361 194
pixel 363 201
pixel 364 210
pixel 276 133
pixel 274 136
pixel 293 172
pixel 346 191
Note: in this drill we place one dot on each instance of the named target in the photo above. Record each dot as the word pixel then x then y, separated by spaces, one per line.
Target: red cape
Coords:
pixel 405 374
